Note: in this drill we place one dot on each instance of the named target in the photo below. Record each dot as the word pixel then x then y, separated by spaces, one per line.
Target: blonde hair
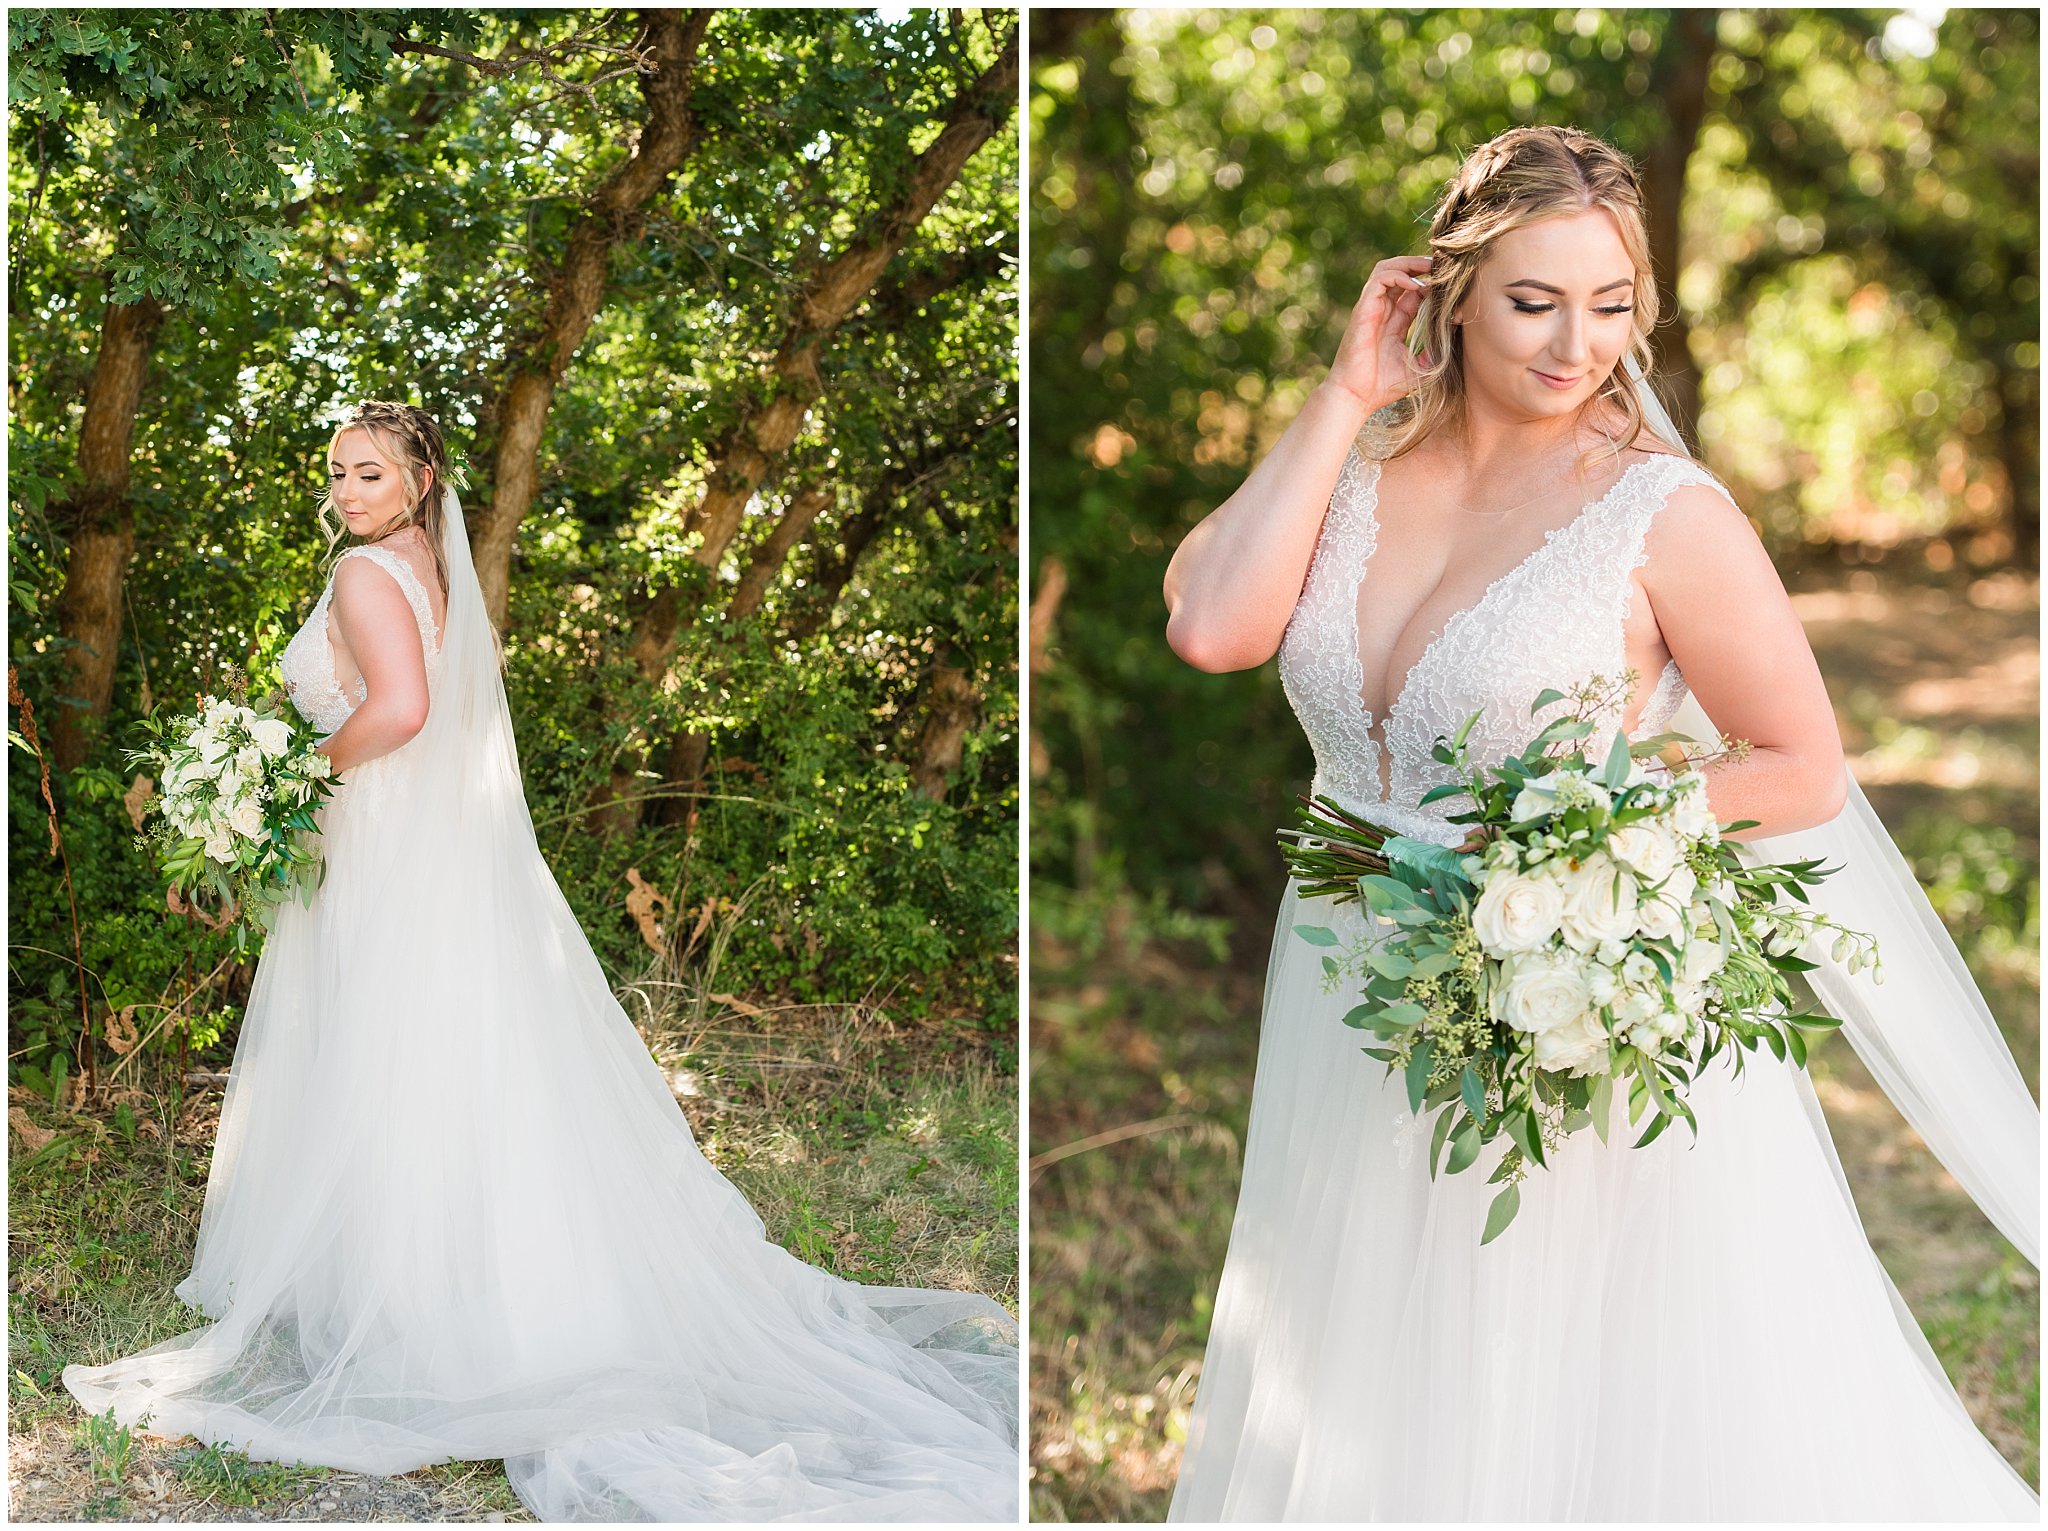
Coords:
pixel 1519 177
pixel 411 438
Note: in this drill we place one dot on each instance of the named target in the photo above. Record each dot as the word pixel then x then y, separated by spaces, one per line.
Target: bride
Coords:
pixel 1679 1332
pixel 454 1211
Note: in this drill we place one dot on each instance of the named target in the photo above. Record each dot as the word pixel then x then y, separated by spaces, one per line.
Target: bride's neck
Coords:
pixel 1491 446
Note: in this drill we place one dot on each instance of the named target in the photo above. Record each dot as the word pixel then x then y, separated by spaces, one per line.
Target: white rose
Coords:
pixel 1599 904
pixel 1517 913
pixel 211 746
pixel 273 736
pixel 1641 1006
pixel 1702 961
pixel 1578 1048
pixel 221 846
pixel 246 819
pixel 1680 885
pixel 1532 802
pixel 1658 919
pixel 1541 992
pixel 249 760
pixel 1645 848
pixel 1690 814
pixel 1689 997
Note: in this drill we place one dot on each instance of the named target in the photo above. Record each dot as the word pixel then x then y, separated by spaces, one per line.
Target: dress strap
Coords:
pixel 409 582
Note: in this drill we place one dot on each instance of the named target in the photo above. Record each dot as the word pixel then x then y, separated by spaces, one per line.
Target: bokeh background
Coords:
pixel 721 307
pixel 1844 208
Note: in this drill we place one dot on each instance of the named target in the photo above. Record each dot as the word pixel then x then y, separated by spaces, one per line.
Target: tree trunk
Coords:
pixel 744 458
pixel 612 217
pixel 1685 61
pixel 103 525
pixel 951 703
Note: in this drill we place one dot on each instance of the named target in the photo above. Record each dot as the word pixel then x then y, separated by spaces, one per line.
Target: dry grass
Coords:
pixel 866 1148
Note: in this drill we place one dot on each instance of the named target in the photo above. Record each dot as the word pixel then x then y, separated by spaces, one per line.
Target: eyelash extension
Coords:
pixel 1544 308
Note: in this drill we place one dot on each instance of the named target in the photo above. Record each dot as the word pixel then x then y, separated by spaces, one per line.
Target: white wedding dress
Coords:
pixel 454 1212
pixel 1680 1332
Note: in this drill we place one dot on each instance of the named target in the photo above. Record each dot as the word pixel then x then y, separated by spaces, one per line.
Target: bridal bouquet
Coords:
pixel 1594 933
pixel 233 815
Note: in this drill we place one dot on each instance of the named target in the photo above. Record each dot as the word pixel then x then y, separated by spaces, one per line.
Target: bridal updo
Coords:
pixel 411 438
pixel 1521 177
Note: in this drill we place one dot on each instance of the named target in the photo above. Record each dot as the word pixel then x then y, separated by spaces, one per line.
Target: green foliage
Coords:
pixel 426 199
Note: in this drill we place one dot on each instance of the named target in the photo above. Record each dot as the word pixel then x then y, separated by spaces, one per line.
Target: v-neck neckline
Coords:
pixel 1375 724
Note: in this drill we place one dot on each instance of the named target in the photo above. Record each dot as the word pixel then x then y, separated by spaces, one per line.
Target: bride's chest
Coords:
pixel 1408 626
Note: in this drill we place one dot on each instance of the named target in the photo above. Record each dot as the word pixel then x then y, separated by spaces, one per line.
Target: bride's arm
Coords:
pixel 383 638
pixel 1726 619
pixel 1234 580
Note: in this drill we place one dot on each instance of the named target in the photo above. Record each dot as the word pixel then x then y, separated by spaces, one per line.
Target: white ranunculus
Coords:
pixel 1645 848
pixel 1702 961
pixel 1541 991
pixel 246 819
pixel 1599 904
pixel 1517 913
pixel 273 736
pixel 1577 1048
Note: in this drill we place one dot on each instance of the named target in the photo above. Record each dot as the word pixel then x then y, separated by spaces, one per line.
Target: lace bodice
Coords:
pixel 1554 620
pixel 308 662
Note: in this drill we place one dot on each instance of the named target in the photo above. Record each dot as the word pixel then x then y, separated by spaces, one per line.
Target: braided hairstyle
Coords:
pixel 1520 177
pixel 411 438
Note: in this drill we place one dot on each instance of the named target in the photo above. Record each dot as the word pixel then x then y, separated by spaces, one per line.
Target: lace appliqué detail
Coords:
pixel 1320 668
pixel 307 665
pixel 1555 619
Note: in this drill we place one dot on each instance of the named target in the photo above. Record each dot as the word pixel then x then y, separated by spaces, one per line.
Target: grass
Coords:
pixel 1143 1045
pixel 865 1147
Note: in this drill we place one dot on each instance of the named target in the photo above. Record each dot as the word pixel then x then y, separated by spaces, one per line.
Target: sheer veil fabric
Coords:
pixel 1693 1330
pixel 454 1212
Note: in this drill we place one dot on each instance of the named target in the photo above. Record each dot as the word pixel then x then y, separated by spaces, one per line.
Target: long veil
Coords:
pixel 454 1211
pixel 1925 1034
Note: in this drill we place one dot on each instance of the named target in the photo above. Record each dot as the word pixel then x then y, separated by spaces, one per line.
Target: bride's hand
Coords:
pixel 1373 362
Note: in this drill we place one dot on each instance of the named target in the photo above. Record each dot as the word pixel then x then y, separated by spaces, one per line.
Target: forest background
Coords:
pixel 1844 210
pixel 720 306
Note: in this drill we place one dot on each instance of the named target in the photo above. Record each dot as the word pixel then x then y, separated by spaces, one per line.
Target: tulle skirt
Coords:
pixel 454 1213
pixel 1687 1331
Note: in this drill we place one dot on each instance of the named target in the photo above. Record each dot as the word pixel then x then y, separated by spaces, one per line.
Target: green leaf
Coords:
pixel 1360 1015
pixel 1657 1124
pixel 1616 772
pixel 1427 858
pixel 1418 1074
pixel 1472 1089
pixel 1795 1044
pixel 1464 1146
pixel 1544 698
pixel 1316 935
pixel 1441 1131
pixel 1403 1013
pixel 1501 1213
